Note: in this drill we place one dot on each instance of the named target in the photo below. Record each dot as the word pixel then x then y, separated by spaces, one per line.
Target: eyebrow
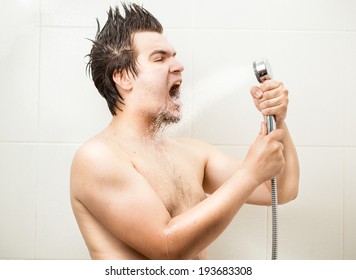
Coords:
pixel 162 52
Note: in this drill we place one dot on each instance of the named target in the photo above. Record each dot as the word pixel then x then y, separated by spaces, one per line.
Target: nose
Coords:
pixel 176 66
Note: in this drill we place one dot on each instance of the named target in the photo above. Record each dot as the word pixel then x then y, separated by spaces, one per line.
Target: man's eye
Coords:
pixel 159 59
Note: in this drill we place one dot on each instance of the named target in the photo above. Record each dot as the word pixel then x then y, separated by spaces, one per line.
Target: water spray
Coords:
pixel 263 72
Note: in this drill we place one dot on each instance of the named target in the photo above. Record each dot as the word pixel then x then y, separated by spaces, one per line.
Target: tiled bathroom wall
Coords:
pixel 48 106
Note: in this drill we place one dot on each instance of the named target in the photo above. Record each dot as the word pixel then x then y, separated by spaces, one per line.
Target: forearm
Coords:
pixel 191 232
pixel 288 180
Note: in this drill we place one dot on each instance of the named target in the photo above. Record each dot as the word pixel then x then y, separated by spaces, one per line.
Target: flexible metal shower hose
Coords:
pixel 270 127
pixel 274 219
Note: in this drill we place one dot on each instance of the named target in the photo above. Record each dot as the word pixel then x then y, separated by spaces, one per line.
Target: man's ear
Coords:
pixel 122 79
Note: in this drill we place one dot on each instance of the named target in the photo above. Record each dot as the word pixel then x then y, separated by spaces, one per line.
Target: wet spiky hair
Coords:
pixel 113 49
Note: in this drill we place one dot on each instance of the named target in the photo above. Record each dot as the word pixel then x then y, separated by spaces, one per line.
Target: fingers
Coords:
pixel 276 106
pixel 271 98
pixel 265 157
pixel 264 130
pixel 276 148
pixel 270 85
pixel 276 134
pixel 274 101
pixel 274 139
pixel 268 90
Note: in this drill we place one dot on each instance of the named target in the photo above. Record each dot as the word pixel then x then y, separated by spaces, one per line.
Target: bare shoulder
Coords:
pixel 96 163
pixel 97 153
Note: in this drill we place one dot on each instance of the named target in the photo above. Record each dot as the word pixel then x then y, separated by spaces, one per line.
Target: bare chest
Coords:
pixel 174 175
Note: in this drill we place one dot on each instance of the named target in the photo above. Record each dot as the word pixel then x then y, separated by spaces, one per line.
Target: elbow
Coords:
pixel 165 249
pixel 288 197
pixel 171 244
pixel 180 254
pixel 174 251
pixel 176 247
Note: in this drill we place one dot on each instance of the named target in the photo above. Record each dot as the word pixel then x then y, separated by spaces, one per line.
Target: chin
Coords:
pixel 173 118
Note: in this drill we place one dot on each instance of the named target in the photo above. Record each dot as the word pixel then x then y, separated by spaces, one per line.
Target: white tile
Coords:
pixel 71 109
pixel 308 15
pixel 311 227
pixel 349 204
pixel 19 49
pixel 276 15
pixel 348 10
pixel 17 201
pixel 232 14
pixel 178 14
pixel 349 92
pixel 58 234
pixel 19 13
pixel 72 13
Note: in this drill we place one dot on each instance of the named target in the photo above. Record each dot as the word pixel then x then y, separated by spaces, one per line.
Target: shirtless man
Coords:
pixel 138 195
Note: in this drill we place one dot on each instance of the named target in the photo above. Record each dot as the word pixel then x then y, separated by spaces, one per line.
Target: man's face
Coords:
pixel 159 78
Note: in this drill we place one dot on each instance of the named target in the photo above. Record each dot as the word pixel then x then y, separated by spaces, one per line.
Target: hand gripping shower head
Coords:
pixel 263 72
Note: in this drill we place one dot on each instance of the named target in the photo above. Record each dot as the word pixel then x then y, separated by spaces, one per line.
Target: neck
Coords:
pixel 135 128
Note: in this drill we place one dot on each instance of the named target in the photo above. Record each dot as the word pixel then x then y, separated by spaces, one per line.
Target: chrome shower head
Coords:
pixel 263 70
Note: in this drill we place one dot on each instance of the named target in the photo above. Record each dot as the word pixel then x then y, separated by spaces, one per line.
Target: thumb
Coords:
pixel 256 92
pixel 263 130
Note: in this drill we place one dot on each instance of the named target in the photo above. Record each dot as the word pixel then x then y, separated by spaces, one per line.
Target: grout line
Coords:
pixel 38 132
pixel 69 26
pixel 221 29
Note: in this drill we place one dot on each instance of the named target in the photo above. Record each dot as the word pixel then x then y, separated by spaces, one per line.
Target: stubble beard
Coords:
pixel 166 117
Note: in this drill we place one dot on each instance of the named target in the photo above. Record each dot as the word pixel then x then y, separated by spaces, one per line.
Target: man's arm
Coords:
pixel 221 167
pixel 288 180
pixel 124 202
pixel 271 98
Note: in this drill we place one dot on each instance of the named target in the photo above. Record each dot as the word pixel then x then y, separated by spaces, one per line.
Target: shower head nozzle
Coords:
pixel 263 70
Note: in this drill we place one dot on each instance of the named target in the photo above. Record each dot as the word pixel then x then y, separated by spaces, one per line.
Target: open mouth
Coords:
pixel 174 91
